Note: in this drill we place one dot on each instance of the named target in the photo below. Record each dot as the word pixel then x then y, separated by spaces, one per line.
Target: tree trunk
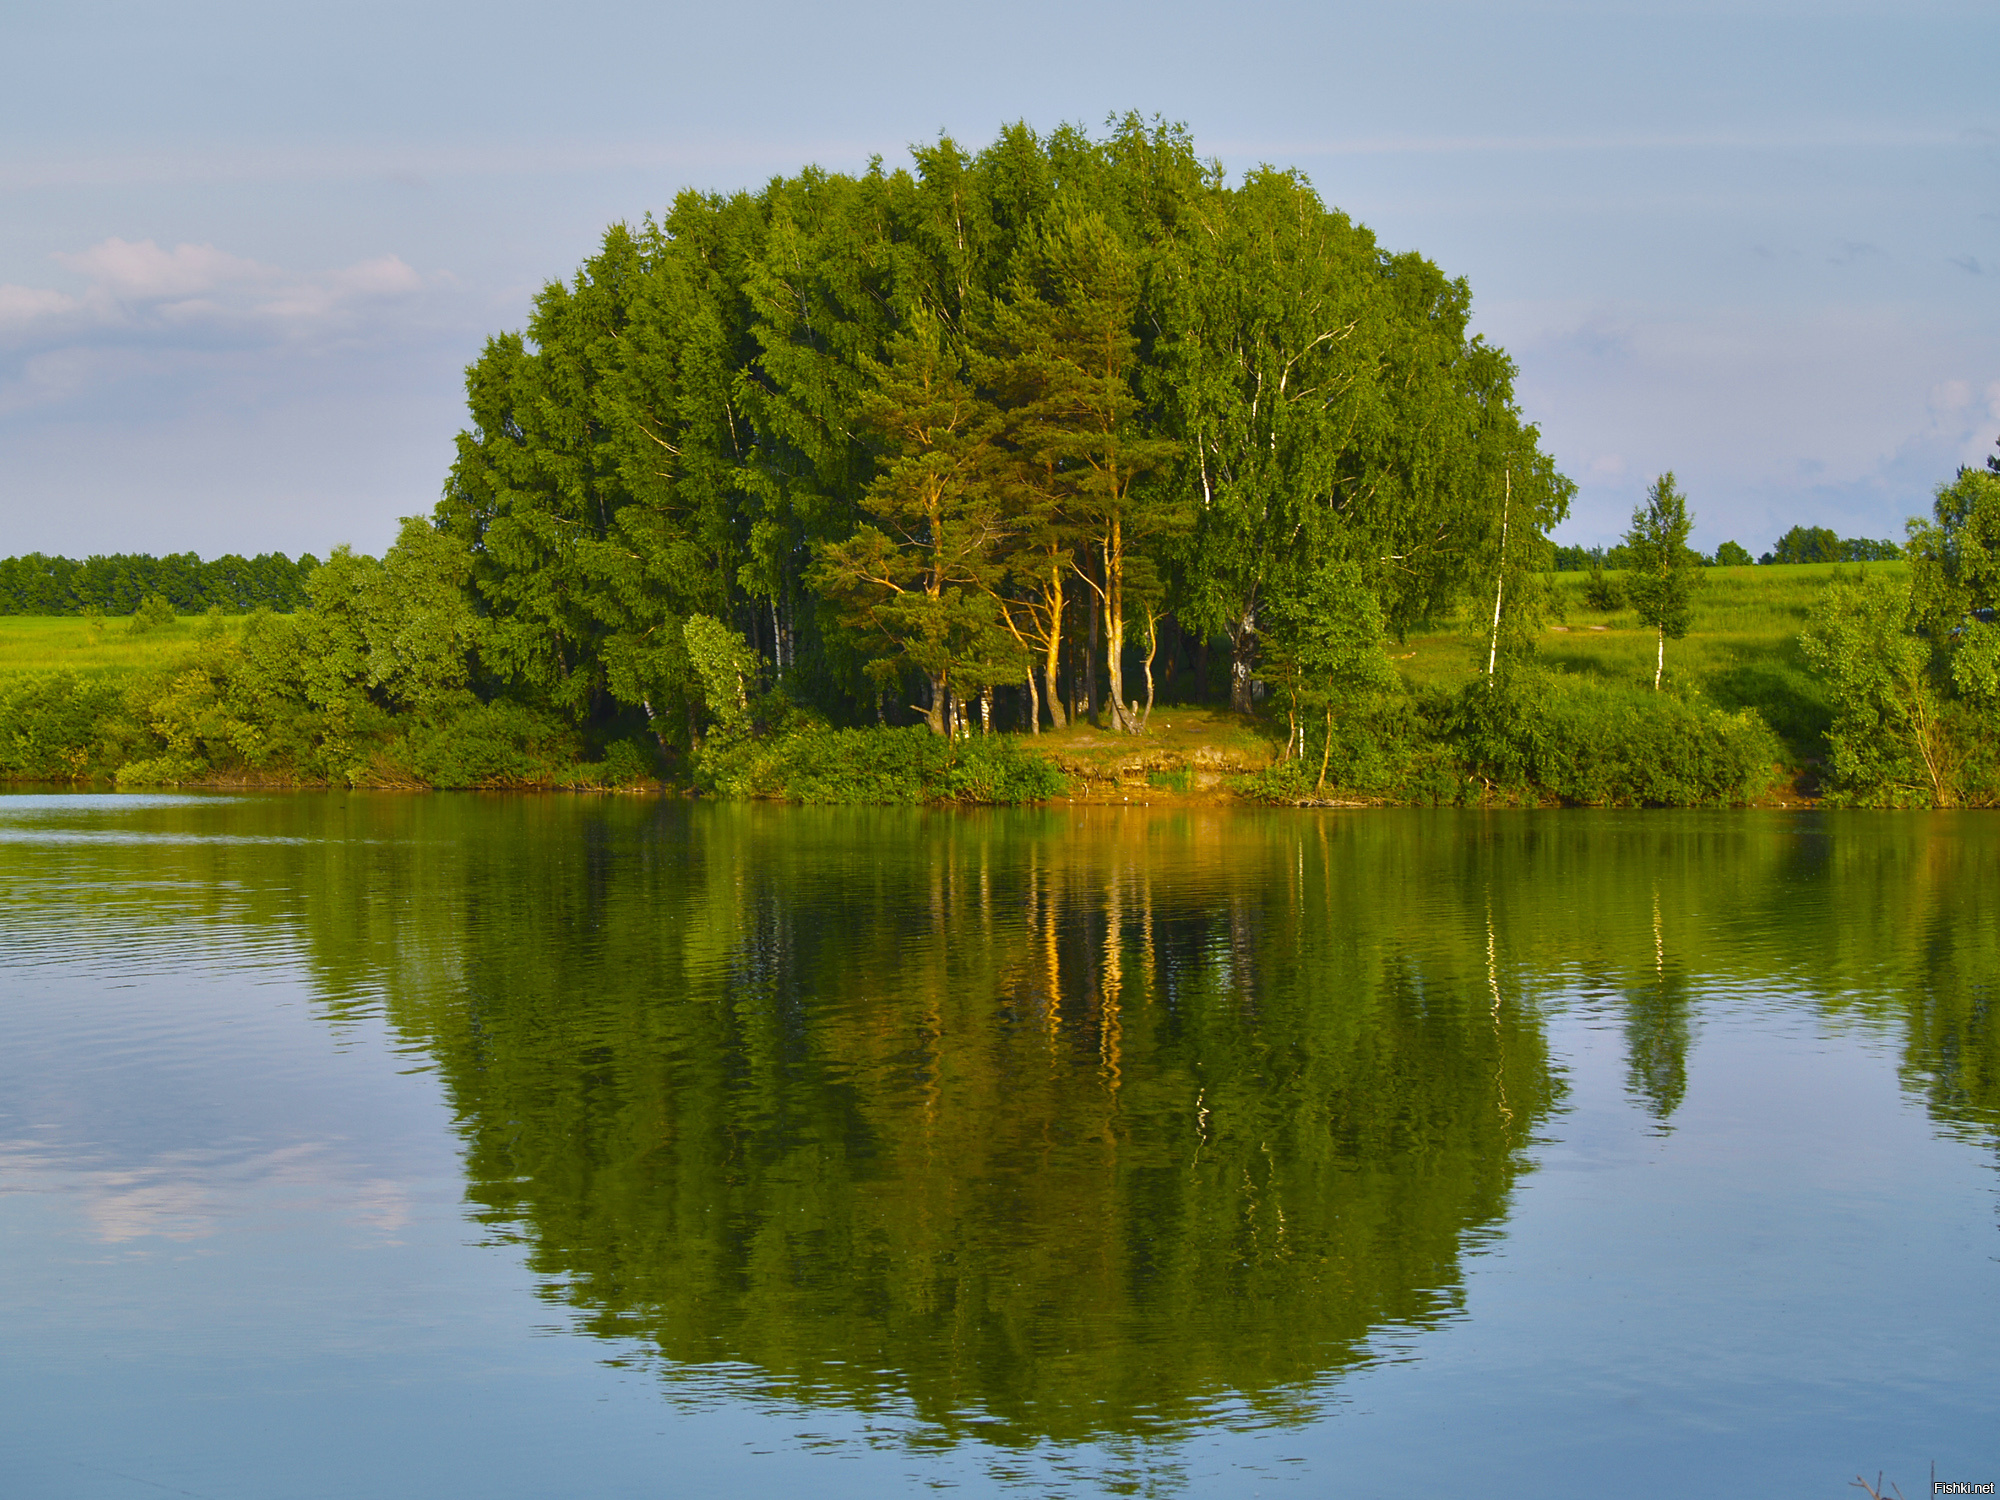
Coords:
pixel 1096 607
pixel 1034 704
pixel 986 709
pixel 1058 719
pixel 1242 650
pixel 936 715
pixel 1660 661
pixel 1201 669
pixel 1152 650
pixel 1114 630
pixel 1326 752
pixel 1052 663
pixel 1500 578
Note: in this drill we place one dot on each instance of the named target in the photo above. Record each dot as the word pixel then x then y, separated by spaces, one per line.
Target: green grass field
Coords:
pixel 95 647
pixel 1743 651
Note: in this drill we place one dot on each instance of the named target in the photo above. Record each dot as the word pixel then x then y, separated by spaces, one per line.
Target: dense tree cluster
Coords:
pixel 1802 544
pixel 1912 663
pixel 1046 419
pixel 1818 544
pixel 120 583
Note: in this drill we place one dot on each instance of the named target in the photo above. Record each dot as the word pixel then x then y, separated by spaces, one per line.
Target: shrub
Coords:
pixel 154 613
pixel 1603 592
pixel 497 744
pixel 1578 739
pixel 811 763
pixel 57 727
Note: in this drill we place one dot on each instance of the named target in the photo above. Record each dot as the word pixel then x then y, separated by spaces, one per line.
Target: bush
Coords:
pixel 1384 746
pixel 57 727
pixel 1551 735
pixel 488 745
pixel 1602 592
pixel 814 764
pixel 155 613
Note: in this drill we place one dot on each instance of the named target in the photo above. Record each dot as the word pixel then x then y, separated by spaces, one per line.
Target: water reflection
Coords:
pixel 1044 1124
pixel 1054 1127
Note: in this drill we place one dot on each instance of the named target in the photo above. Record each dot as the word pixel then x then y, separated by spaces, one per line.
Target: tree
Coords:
pixel 1664 574
pixel 1733 555
pixel 1071 362
pixel 1325 651
pixel 1806 544
pixel 1273 365
pixel 1891 737
pixel 1913 665
pixel 917 575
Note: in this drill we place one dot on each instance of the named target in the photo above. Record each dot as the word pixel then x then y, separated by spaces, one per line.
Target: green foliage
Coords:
pixel 927 423
pixel 1889 741
pixel 814 764
pixel 497 744
pixel 1558 736
pixel 1913 663
pixel 1733 555
pixel 57 727
pixel 1602 591
pixel 1664 573
pixel 1955 555
pixel 1819 544
pixel 40 585
pixel 726 668
pixel 153 613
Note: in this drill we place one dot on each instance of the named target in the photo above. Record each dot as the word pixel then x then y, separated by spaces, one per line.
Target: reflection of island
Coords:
pixel 1061 1131
pixel 1070 1123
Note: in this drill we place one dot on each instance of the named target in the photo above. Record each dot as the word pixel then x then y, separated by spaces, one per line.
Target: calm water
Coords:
pixel 462 1146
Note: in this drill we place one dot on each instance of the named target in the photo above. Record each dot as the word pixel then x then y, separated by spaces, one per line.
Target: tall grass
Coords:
pixel 99 646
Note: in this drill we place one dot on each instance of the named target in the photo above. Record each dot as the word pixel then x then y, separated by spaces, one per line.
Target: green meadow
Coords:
pixel 1743 651
pixel 99 646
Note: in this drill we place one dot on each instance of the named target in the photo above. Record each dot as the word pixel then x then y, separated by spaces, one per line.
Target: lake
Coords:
pixel 488 1146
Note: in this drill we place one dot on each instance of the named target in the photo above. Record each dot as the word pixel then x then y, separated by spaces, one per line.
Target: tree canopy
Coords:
pixel 989 421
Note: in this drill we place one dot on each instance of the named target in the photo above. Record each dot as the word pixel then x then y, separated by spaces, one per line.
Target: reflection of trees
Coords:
pixel 1658 1030
pixel 1069 1129
pixel 1657 1033
pixel 1069 1119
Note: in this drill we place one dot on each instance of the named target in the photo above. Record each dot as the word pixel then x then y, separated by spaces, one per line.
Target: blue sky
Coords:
pixel 246 250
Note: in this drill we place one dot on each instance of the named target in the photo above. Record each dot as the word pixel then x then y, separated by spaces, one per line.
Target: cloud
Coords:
pixel 27 304
pixel 143 271
pixel 1834 415
pixel 144 309
pixel 137 287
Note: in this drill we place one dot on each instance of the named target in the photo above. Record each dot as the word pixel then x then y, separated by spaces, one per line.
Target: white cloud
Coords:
pixel 26 304
pixel 144 307
pixel 141 288
pixel 141 270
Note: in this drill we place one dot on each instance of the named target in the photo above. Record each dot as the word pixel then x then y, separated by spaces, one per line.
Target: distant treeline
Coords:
pixel 118 584
pixel 1802 544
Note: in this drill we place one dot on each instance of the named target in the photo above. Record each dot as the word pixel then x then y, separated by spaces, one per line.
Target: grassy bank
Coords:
pixel 1742 652
pixel 1574 725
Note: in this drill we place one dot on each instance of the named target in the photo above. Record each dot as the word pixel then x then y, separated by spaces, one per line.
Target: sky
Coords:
pixel 247 250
